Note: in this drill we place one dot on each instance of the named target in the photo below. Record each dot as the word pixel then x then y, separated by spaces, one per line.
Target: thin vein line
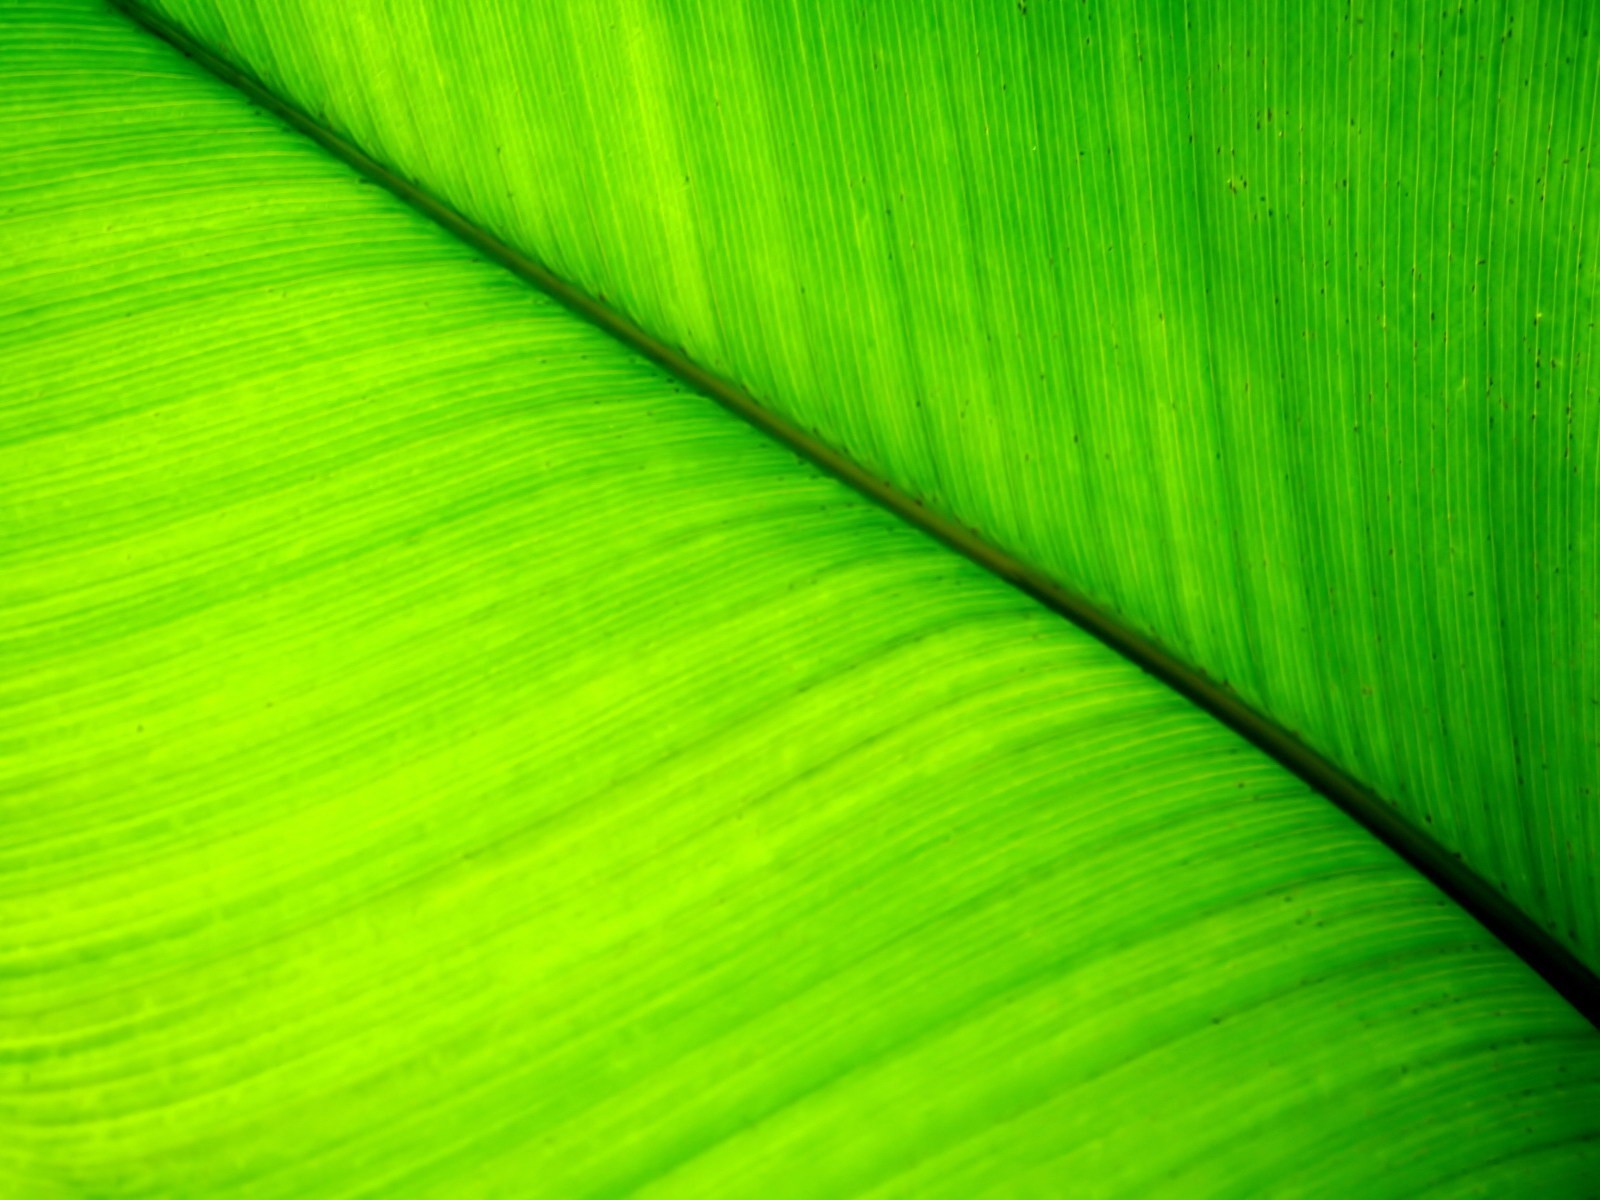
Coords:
pixel 1523 936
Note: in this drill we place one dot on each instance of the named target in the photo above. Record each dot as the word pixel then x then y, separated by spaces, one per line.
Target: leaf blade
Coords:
pixel 544 777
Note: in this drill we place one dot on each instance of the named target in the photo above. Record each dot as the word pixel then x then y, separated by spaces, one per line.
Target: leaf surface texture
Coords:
pixel 441 756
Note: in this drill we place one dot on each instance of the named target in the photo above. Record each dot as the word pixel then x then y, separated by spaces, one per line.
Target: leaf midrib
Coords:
pixel 1446 870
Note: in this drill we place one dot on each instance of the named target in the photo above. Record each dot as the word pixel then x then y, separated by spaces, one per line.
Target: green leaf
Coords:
pixel 440 754
pixel 1271 331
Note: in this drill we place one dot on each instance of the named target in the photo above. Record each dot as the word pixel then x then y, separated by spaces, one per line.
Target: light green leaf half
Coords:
pixel 1270 327
pixel 441 756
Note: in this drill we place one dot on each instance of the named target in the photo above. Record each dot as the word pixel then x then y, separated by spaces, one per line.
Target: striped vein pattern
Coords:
pixel 440 757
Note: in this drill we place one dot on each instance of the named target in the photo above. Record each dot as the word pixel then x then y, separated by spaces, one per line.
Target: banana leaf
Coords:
pixel 442 753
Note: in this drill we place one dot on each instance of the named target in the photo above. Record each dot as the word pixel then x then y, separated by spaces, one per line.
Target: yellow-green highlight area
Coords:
pixel 1268 326
pixel 439 756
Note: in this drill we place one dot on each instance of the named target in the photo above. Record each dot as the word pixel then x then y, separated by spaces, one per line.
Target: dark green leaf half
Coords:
pixel 1271 328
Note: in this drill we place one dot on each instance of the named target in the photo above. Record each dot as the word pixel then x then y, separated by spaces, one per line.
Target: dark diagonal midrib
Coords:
pixel 1445 869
